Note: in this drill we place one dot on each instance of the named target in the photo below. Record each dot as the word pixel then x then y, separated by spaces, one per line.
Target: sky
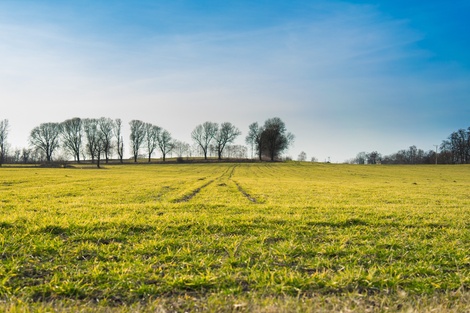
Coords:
pixel 344 76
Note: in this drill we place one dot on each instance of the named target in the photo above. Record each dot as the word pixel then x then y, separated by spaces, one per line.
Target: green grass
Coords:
pixel 235 237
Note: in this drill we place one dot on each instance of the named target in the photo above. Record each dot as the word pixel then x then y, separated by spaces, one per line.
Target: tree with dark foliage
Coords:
pixel 275 139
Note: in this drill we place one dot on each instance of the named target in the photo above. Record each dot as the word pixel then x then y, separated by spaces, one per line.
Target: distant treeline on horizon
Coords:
pixel 98 139
pixel 453 150
pixel 94 139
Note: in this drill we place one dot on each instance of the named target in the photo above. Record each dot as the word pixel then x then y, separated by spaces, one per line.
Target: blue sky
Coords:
pixel 345 76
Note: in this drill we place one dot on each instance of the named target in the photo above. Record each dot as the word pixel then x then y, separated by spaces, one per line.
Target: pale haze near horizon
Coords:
pixel 345 76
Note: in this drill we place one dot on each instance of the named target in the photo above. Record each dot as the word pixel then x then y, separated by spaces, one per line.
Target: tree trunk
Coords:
pixel 121 153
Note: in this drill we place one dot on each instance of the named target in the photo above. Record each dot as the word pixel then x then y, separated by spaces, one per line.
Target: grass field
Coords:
pixel 267 237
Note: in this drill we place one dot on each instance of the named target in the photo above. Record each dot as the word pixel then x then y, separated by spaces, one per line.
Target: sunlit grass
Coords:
pixel 252 235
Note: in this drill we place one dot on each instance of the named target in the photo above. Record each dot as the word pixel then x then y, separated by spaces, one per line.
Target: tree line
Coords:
pixel 97 139
pixel 453 150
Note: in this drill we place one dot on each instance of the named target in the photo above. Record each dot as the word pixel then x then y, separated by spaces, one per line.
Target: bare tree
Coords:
pixel 16 156
pixel 204 134
pixel 37 155
pixel 4 127
pixel 72 133
pixel 254 139
pixel 195 150
pixel 302 157
pixel 275 139
pixel 45 138
pixel 119 139
pixel 151 138
pixel 92 134
pixel 236 151
pixel 181 148
pixel 106 126
pixel 411 156
pixel 227 133
pixel 98 133
pixel 137 137
pixel 25 155
pixel 100 147
pixel 165 143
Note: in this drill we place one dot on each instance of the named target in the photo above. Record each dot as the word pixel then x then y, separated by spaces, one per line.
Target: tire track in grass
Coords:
pixel 229 172
pixel 194 192
pixel 246 194
pixel 240 188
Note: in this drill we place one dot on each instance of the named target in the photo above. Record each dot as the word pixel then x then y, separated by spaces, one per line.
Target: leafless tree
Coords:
pixel 37 155
pixel 45 138
pixel 204 134
pixel 212 151
pixel 254 139
pixel 302 157
pixel 92 134
pixel 119 139
pixel 13 156
pixel 412 155
pixel 25 155
pixel 181 148
pixel 100 147
pixel 106 126
pixel 165 143
pixel 151 138
pixel 195 150
pixel 226 134
pixel 72 134
pixel 236 151
pixel 4 127
pixel 136 137
pixel 98 141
